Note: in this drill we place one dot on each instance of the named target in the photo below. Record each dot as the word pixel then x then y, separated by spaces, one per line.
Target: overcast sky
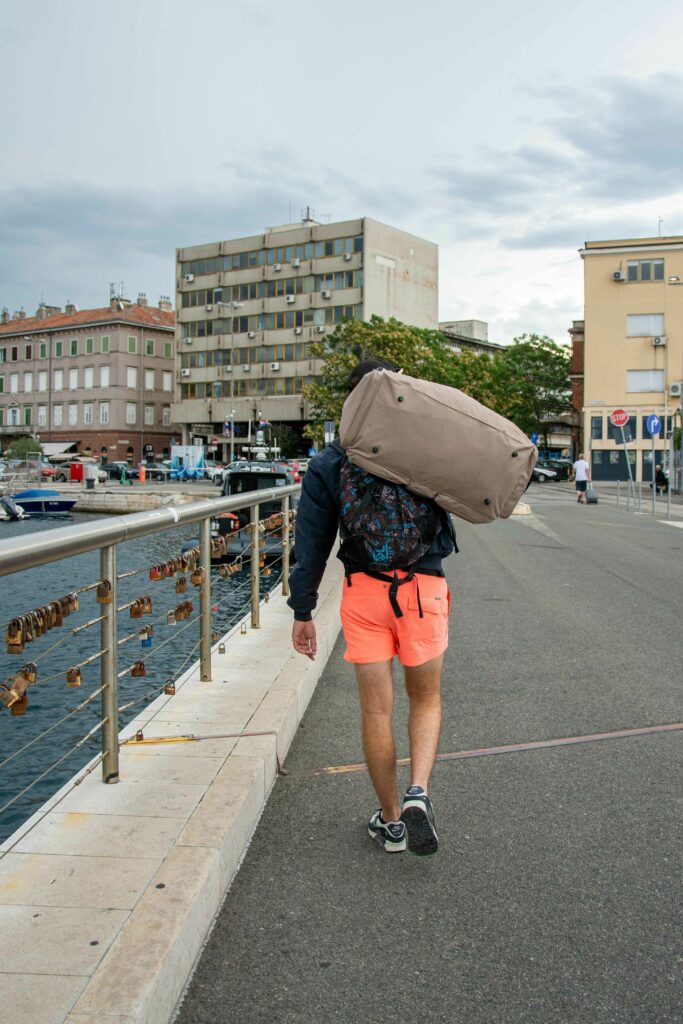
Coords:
pixel 507 133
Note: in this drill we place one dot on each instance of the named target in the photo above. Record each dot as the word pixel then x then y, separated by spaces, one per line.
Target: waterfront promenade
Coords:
pixel 556 895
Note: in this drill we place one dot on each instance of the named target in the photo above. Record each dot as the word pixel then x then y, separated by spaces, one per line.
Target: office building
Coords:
pixel 250 308
pixel 633 349
pixel 96 381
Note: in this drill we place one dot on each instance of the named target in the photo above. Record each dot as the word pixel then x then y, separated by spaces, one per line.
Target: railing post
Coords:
pixel 285 546
pixel 205 601
pixel 109 671
pixel 255 569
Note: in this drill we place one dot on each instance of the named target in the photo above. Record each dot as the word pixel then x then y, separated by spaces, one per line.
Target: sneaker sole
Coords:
pixel 388 847
pixel 422 839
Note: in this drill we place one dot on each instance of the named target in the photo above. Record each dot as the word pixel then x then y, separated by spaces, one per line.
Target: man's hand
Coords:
pixel 304 639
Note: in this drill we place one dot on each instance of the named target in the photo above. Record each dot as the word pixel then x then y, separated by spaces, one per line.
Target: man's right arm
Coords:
pixel 317 521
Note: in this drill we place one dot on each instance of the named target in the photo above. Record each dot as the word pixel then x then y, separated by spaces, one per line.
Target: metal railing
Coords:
pixel 39 549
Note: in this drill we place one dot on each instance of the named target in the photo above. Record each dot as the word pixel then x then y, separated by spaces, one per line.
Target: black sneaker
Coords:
pixel 418 815
pixel 391 835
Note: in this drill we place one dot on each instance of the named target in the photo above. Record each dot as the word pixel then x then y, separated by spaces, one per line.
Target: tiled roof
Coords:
pixel 144 316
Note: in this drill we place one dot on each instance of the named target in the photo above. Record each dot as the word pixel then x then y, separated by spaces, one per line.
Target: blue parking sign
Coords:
pixel 654 424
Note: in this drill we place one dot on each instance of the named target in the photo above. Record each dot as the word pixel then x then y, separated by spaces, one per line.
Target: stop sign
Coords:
pixel 619 418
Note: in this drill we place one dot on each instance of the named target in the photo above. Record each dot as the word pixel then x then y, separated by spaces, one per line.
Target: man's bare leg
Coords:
pixel 423 685
pixel 375 689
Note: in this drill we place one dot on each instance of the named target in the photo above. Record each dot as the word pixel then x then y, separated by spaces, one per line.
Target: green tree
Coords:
pixel 530 382
pixel 288 440
pixel 23 447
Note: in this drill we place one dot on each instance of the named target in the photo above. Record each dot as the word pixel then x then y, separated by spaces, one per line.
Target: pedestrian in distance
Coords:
pixel 400 613
pixel 582 476
pixel 661 481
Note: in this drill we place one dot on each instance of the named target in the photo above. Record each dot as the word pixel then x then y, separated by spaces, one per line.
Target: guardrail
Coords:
pixel 38 549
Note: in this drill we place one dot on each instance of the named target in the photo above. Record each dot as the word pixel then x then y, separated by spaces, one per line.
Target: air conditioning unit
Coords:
pixel 619 275
pixel 227 369
pixel 676 388
pixel 251 334
pixel 275 366
pixel 296 263
pixel 659 342
pixel 188 341
pixel 209 309
pixel 290 298
pixel 189 278
pixel 347 256
pixel 277 266
pixel 320 329
pixel 326 293
pixel 297 330
pixel 246 367
pixel 185 373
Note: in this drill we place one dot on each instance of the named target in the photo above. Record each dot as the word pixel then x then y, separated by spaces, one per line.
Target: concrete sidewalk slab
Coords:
pixel 109 891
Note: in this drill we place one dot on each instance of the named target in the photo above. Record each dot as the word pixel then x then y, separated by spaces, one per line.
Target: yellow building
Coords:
pixel 633 349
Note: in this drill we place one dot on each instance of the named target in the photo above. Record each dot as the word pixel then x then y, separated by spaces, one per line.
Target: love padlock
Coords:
pixel 19 706
pixel 73 677
pixel 146 605
pixel 57 617
pixel 221 648
pixel 138 669
pixel 103 593
pixel 73 602
pixel 30 671
pixel 15 637
pixel 170 618
pixel 136 609
pixel 197 577
pixel 156 573
pixel 180 585
pixel 169 688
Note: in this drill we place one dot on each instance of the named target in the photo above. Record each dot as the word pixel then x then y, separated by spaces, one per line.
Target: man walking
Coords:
pixel 404 614
pixel 582 475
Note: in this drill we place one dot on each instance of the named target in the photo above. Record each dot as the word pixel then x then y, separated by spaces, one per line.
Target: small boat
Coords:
pixel 9 509
pixel 41 501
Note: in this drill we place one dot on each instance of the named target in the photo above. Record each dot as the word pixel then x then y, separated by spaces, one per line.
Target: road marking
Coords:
pixel 510 748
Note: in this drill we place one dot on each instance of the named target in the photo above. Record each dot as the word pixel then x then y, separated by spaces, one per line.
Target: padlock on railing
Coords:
pixel 13 690
pixel 15 636
pixel 104 593
pixel 146 640
pixel 19 707
pixel 156 572
pixel 180 585
pixel 214 638
pixel 30 671
pixel 221 648
pixel 73 602
pixel 267 571
pixel 57 617
pixel 138 669
pixel 169 688
pixel 146 605
pixel 224 571
pixel 168 570
pixel 73 677
pixel 136 609
pixel 197 577
pixel 170 618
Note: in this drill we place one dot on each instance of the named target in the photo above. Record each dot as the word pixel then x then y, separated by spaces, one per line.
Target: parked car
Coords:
pixel 157 471
pixel 213 470
pixel 540 475
pixel 112 470
pixel 559 466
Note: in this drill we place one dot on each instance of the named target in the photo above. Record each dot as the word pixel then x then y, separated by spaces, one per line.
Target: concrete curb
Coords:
pixel 168 838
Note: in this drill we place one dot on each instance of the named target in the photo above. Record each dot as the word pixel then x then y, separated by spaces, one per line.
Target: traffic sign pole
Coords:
pixel 654 480
pixel 631 485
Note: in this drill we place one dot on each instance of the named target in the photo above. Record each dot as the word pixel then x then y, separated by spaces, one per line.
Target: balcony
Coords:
pixel 17 428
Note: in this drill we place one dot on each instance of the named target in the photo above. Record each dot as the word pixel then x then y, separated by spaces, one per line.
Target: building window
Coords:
pixel 665 430
pixel 73 379
pixel 132 344
pixel 104 413
pixel 42 380
pixel 14 383
pixel 73 348
pixel 14 355
pixel 614 433
pixel 58 349
pixel 87 414
pixel 59 380
pixel 28 352
pixel 130 413
pixel 644 325
pixel 42 415
pixel 149 380
pixel 149 347
pixel 2 417
pixel 73 414
pixel 646 270
pixel 149 415
pixel 104 344
pixel 2 385
pixel 166 416
pixel 596 428
pixel 131 377
pixel 104 379
pixel 89 346
pixel 42 350
pixel 58 415
pixel 645 380
pixel 28 415
pixel 168 350
pixel 28 382
pixel 167 380
pixel 88 377
pixel 3 353
pixel 14 416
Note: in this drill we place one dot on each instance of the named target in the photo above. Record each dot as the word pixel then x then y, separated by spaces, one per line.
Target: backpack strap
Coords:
pixel 396 581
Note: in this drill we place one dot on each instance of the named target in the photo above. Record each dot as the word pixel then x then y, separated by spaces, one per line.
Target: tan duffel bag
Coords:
pixel 439 442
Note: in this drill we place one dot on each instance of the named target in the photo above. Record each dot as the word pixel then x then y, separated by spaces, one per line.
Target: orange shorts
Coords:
pixel 372 631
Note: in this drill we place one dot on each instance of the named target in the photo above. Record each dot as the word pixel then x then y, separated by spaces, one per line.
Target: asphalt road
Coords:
pixel 555 897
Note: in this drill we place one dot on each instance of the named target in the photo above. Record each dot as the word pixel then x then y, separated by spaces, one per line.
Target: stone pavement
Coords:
pixel 555 897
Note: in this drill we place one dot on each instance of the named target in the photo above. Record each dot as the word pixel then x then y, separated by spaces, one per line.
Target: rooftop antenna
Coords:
pixel 307 214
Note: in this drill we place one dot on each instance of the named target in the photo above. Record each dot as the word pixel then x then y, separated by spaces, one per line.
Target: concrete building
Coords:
pixel 249 309
pixel 470 334
pixel 100 380
pixel 633 348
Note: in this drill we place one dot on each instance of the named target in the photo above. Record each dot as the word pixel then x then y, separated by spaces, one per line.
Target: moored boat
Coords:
pixel 43 501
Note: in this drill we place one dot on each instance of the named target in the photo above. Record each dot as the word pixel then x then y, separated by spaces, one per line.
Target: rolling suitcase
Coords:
pixel 591 496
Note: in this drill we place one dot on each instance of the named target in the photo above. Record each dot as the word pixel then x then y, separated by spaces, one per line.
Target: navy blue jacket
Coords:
pixel 317 523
